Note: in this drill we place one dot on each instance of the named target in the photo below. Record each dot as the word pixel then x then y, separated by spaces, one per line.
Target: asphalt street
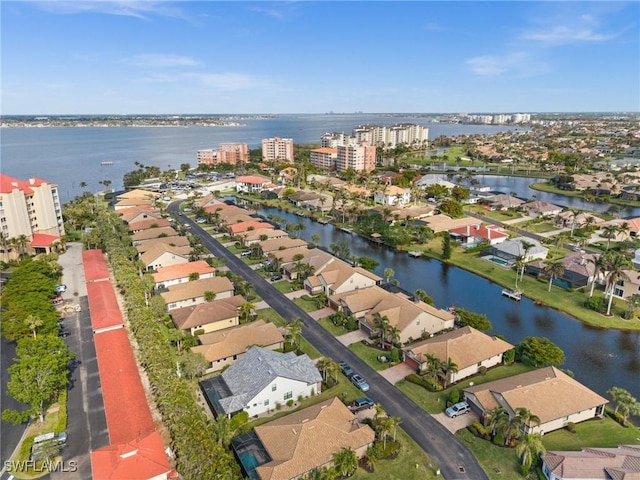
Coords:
pixel 449 454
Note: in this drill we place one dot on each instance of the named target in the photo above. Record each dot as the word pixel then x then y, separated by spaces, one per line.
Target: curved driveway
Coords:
pixel 449 454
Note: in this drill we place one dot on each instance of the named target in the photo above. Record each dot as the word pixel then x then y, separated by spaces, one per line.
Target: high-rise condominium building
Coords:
pixel 277 148
pixel 30 211
pixel 324 157
pixel 399 134
pixel 232 153
pixel 361 158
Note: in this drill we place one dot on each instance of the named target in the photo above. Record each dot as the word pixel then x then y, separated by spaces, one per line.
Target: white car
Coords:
pixel 459 408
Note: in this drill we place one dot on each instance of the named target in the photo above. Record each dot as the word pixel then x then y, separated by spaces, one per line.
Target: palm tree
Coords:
pixel 447 369
pixel 615 265
pixel 33 322
pixel 553 270
pixel 388 273
pixel 381 324
pixel 511 428
pixel 530 447
pixel 609 232
pixel 245 312
pixel 574 216
pixel 519 266
pixel 526 246
pixel 345 462
pixel 598 264
pixel 294 330
pixel 495 417
pixel 527 417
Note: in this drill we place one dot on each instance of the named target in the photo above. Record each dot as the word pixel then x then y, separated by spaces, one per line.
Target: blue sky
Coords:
pixel 123 57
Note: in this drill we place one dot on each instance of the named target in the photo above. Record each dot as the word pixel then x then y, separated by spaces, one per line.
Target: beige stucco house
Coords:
pixel 163 255
pixel 552 395
pixel 467 347
pixel 338 277
pixel 209 316
pixel 192 293
pixel 181 273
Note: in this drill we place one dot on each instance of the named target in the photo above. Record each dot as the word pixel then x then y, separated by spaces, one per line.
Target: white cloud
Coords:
pixel 564 30
pixel 270 12
pixel 517 64
pixel 161 61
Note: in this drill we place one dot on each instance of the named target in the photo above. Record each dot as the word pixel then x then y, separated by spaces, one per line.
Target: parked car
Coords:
pixel 60 288
pixel 57 301
pixel 360 382
pixel 346 369
pixel 361 403
pixel 275 278
pixel 200 220
pixel 459 408
pixel 245 253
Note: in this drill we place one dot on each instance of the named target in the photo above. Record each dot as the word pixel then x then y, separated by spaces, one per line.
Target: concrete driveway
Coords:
pixel 396 373
pixel 457 423
pixel 352 337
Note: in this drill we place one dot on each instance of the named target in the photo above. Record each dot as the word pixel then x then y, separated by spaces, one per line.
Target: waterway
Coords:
pixel 599 358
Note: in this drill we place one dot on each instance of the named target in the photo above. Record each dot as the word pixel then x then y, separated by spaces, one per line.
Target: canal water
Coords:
pixel 599 358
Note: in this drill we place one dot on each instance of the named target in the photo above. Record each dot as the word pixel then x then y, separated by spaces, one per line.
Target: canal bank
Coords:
pixel 599 358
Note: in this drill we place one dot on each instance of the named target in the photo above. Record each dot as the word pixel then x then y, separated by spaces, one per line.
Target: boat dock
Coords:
pixel 415 254
pixel 106 163
pixel 512 294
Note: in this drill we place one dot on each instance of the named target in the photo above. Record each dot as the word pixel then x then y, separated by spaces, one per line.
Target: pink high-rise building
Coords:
pixel 324 157
pixel 231 153
pixel 360 158
pixel 277 148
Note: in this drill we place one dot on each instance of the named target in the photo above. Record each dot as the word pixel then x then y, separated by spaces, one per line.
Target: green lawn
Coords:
pixel 543 227
pixel 329 326
pixel 306 303
pixel 603 432
pixel 435 402
pixel 497 462
pixel 282 286
pixel 270 315
pixel 370 355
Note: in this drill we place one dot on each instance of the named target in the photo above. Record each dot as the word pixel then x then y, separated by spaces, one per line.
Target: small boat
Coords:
pixel 512 294
pixel 106 163
pixel 415 254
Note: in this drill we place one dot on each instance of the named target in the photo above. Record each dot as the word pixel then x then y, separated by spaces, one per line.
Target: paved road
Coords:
pixel 450 455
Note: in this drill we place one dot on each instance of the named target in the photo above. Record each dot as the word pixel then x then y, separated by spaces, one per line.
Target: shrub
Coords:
pixel 395 354
pixel 499 439
pixel 290 402
pixel 238 420
pixel 454 397
pixel 391 450
pixel 524 470
pixel 427 383
pixel 599 304
pixel 619 417
pixel 278 405
pixel 62 412
pixel 482 370
pixel 375 451
pixel 571 427
pixel 474 431
pixel 483 431
pixel 509 357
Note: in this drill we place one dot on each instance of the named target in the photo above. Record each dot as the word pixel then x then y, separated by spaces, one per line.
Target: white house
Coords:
pixel 261 380
pixel 393 195
pixel 252 183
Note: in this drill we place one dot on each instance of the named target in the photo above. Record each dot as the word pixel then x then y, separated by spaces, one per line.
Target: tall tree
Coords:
pixel 529 448
pixel 553 270
pixel 345 462
pixel 615 266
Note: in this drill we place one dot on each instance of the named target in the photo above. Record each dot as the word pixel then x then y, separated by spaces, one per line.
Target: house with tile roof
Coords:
pixel 151 233
pixel 298 443
pixel 539 208
pixel 94 266
pixel 251 183
pixel 282 243
pixel 248 226
pixel 256 236
pixel 164 255
pixel 260 380
pixel 148 223
pixel 619 463
pixel 473 235
pixel 139 214
pixel 146 245
pixel 209 316
pixel 579 270
pixel 313 256
pixel 467 347
pixel 552 395
pixel 222 348
pixel 502 202
pixel 311 200
pixel 392 195
pixel 192 293
pixel 444 223
pixel 338 277
pixel 165 277
pixel 137 459
pixel 103 306
pixel 135 201
pixel 511 249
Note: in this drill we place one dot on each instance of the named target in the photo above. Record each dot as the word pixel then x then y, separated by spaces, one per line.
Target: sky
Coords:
pixel 183 57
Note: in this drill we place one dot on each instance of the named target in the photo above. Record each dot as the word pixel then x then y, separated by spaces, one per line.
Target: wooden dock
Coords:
pixel 512 294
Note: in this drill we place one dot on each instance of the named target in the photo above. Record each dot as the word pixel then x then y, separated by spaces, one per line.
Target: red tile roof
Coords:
pixel 255 179
pixel 125 404
pixel 245 226
pixel 134 460
pixel 479 231
pixel 9 184
pixel 182 270
pixel 43 240
pixel 95 267
pixel 103 306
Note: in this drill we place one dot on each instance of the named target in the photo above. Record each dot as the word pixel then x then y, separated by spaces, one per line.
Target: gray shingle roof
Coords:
pixel 257 368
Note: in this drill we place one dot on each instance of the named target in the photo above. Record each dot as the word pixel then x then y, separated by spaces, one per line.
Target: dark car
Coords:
pixel 361 403
pixel 275 278
pixel 346 369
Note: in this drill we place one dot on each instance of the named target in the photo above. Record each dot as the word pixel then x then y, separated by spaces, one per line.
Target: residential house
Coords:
pixel 248 226
pixel 147 245
pixel 568 220
pixel 550 394
pixel 311 200
pixel 628 285
pixel 444 223
pixel 510 250
pixel 357 303
pixel 579 270
pixel 223 347
pixel 467 347
pixel 251 183
pixel 261 380
pixel 503 202
pixel 430 179
pixel 299 443
pixel 193 293
pixel 392 195
pixel 209 316
pixel 593 463
pixel 283 243
pixel 539 208
pixel 338 277
pixel 163 255
pixel 148 223
pixel 315 257
pixel 473 235
pixel 136 198
pixel 139 214
pixel 153 233
pixel 182 273
pixel 257 236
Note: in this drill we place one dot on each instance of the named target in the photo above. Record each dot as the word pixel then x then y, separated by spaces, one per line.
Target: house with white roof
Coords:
pixel 261 380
